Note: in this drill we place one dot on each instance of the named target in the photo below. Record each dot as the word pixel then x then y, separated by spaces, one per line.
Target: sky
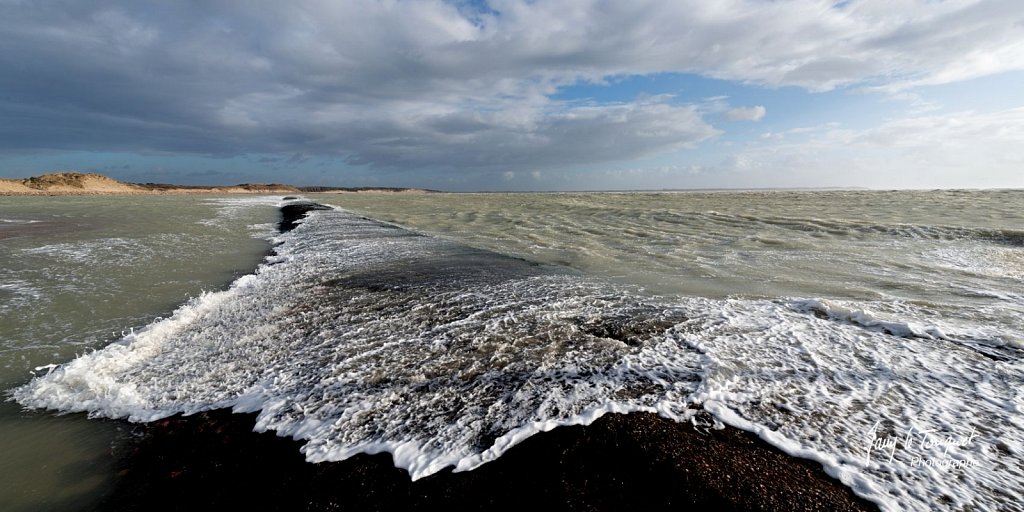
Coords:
pixel 517 95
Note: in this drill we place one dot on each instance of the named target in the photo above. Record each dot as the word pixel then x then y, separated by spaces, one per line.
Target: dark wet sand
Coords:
pixel 213 461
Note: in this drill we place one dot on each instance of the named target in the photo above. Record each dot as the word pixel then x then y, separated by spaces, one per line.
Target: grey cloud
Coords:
pixel 573 136
pixel 444 85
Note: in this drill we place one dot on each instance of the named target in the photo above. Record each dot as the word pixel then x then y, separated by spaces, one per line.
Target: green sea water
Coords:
pixel 951 248
pixel 75 274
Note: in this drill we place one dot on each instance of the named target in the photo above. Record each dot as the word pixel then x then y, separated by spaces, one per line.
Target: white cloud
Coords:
pixel 754 113
pixel 961 149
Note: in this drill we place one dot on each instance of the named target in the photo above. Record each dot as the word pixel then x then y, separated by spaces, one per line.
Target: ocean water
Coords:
pixel 879 333
pixel 77 273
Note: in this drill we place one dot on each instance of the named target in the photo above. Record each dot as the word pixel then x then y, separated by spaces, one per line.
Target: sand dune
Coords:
pixel 76 183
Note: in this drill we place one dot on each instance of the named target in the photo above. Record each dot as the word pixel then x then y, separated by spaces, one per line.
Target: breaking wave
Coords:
pixel 358 336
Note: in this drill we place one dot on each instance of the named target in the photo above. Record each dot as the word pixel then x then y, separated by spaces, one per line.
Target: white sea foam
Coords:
pixel 104 251
pixel 360 337
pixel 230 209
pixel 981 260
pixel 16 293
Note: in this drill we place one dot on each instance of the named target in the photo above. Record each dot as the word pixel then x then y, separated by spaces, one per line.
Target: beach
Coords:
pixel 92 184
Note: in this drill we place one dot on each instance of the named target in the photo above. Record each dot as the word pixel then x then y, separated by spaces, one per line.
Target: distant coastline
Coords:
pixel 89 184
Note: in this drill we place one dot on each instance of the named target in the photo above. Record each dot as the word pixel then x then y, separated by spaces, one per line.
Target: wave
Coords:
pixel 357 336
pixel 97 252
pixel 16 293
pixel 1000 348
pixel 847 228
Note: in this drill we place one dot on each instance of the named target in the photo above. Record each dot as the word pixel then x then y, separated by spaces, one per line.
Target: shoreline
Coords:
pixel 214 190
pixel 214 459
pixel 155 192
pixel 620 460
pixel 92 184
pixel 88 184
pixel 148 192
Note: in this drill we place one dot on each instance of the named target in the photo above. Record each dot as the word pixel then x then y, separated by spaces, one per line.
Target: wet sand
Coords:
pixel 214 461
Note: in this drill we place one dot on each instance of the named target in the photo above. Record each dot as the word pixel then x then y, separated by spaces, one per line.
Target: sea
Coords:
pixel 878 333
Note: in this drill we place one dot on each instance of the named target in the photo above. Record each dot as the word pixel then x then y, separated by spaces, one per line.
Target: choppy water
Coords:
pixel 76 273
pixel 879 333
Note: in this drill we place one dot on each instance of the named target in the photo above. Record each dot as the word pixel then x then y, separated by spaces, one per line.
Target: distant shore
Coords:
pixel 86 184
pixel 91 184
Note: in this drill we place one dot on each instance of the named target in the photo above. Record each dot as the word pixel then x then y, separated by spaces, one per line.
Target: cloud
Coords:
pixel 754 113
pixel 527 138
pixel 959 149
pixel 405 85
